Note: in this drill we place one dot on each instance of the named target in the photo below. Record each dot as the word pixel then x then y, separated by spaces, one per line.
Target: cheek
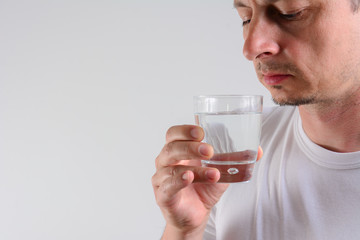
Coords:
pixel 308 54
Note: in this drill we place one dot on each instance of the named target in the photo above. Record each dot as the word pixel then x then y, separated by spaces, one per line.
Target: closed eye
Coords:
pixel 246 22
pixel 291 16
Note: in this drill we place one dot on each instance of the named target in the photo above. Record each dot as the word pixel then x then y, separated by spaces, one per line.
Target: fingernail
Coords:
pixel 204 150
pixel 185 176
pixel 195 133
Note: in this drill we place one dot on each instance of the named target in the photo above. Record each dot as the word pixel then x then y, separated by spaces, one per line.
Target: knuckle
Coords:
pixel 169 133
pixel 153 180
pixel 157 161
pixel 179 132
pixel 164 194
pixel 164 155
pixel 168 148
pixel 187 150
pixel 173 171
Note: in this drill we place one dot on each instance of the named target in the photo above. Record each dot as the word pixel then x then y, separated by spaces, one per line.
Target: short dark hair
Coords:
pixel 355 5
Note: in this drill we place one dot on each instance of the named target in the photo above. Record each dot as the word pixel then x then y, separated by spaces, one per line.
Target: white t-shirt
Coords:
pixel 299 190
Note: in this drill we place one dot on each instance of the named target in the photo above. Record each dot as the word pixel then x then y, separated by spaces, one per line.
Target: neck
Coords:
pixel 334 126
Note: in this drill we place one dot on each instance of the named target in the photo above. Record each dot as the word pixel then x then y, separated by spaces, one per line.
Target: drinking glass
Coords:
pixel 232 125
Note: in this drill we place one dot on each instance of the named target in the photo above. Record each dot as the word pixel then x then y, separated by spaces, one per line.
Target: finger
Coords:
pixel 166 186
pixel 260 154
pixel 174 152
pixel 188 174
pixel 184 133
pixel 166 190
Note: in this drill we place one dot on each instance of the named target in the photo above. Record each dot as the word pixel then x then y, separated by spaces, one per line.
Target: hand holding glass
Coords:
pixel 232 125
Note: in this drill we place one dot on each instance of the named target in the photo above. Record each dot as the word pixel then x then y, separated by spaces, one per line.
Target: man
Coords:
pixel 307 183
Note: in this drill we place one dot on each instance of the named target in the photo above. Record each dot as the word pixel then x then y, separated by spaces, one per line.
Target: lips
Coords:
pixel 275 79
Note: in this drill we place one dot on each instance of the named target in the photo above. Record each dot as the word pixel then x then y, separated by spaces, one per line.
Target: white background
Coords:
pixel 87 92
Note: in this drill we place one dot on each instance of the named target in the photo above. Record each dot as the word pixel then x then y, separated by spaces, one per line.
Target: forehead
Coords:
pixel 247 3
pixel 244 3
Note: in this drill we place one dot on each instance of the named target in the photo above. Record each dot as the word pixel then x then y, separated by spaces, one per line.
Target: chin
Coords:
pixel 291 97
pixel 294 101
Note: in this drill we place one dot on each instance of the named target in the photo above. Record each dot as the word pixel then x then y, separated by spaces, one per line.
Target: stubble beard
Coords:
pixel 294 101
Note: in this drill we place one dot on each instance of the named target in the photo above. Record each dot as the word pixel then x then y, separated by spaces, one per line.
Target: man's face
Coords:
pixel 304 51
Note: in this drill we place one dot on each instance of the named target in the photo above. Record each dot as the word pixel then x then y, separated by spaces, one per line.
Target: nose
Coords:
pixel 260 39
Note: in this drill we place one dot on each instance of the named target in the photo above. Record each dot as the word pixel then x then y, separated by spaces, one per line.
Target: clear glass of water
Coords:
pixel 232 125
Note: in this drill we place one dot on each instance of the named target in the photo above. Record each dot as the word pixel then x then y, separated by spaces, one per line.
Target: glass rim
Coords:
pixel 229 96
pixel 228 103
